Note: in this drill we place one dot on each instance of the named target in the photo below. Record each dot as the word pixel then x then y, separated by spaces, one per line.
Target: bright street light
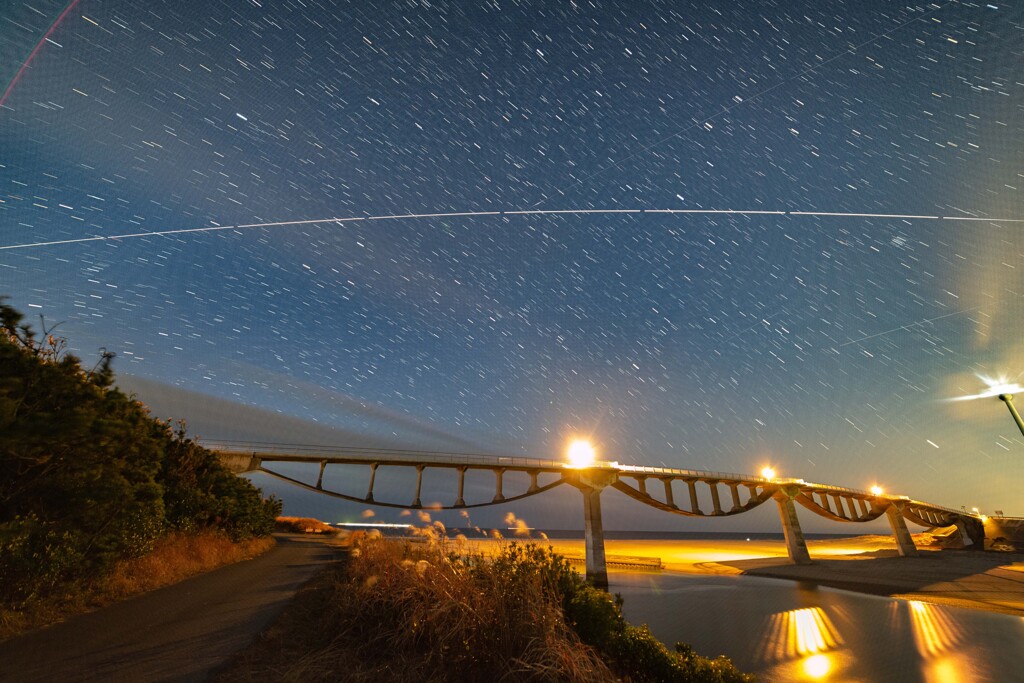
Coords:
pixel 877 490
pixel 581 454
pixel 996 387
pixel 1002 388
pixel 768 473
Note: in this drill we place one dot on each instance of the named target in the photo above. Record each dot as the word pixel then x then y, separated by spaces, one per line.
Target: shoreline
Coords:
pixel 984 580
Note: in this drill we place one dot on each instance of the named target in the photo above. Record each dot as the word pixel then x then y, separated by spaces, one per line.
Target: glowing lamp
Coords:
pixel 581 454
pixel 876 490
pixel 768 473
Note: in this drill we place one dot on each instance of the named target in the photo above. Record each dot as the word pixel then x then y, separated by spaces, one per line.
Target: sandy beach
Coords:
pixel 990 581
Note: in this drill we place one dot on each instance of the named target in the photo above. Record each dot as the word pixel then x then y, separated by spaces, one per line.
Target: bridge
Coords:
pixel 691 493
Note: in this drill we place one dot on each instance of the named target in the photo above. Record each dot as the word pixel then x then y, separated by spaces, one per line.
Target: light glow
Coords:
pixel 877 490
pixel 996 386
pixel 768 473
pixel 817 666
pixel 581 454
pixel 935 630
pixel 800 633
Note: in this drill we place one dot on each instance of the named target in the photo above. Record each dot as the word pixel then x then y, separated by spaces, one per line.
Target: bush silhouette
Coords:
pixel 88 477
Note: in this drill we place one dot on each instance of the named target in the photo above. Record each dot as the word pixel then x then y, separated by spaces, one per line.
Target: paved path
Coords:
pixel 178 633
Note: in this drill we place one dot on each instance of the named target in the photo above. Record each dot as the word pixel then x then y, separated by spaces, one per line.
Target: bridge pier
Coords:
pixel 904 542
pixel 716 502
pixel 972 531
pixel 460 502
pixel 373 477
pixel 499 477
pixel 597 568
pixel 419 485
pixel 796 546
pixel 669 500
pixel 734 489
pixel 591 482
pixel 691 486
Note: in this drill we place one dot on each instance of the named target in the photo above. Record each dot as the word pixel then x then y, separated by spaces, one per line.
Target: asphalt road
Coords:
pixel 182 632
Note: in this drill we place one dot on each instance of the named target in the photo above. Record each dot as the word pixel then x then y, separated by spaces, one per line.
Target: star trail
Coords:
pixel 715 237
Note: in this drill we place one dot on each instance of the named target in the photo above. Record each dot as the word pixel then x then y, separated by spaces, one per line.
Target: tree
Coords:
pixel 87 476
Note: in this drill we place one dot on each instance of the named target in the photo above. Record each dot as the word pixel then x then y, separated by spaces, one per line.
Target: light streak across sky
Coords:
pixel 28 60
pixel 478 214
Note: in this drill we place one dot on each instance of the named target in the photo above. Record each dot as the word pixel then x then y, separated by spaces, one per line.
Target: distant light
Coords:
pixel 997 386
pixel 974 510
pixel 877 490
pixel 374 524
pixel 581 454
pixel 768 473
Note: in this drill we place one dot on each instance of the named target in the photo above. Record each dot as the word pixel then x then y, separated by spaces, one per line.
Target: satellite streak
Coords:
pixel 529 212
pixel 909 325
pixel 35 50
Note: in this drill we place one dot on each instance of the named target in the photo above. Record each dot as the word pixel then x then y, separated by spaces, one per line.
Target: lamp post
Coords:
pixel 1008 400
pixel 1004 390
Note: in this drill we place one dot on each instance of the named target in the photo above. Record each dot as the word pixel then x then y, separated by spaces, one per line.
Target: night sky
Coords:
pixel 824 345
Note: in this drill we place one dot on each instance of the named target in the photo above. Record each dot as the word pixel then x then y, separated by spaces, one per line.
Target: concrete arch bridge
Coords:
pixel 692 493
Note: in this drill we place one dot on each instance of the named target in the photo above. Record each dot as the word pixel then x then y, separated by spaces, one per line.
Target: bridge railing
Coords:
pixel 695 474
pixel 314 452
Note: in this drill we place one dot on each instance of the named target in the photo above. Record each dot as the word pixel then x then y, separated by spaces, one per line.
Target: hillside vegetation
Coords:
pixel 89 479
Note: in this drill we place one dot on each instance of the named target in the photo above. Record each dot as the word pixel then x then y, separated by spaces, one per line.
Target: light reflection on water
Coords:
pixel 938 638
pixel 804 636
pixel 785 631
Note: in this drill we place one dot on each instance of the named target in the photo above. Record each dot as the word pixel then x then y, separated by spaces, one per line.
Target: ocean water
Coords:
pixel 789 631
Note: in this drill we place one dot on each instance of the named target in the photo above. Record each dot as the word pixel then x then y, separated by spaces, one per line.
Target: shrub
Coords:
pixel 417 612
pixel 427 611
pixel 88 477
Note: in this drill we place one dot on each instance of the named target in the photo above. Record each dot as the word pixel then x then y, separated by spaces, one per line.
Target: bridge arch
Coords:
pixel 700 491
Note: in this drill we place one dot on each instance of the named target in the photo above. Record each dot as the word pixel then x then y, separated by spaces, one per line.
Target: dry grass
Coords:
pixel 304 525
pixel 402 612
pixel 176 557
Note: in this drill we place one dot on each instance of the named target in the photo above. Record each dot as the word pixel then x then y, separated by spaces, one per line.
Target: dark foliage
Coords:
pixel 630 651
pixel 88 477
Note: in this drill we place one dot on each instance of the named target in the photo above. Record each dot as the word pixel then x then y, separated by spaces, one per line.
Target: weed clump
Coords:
pixel 427 610
pixel 444 616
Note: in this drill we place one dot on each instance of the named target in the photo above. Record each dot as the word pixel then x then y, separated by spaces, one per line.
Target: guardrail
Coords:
pixel 314 452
